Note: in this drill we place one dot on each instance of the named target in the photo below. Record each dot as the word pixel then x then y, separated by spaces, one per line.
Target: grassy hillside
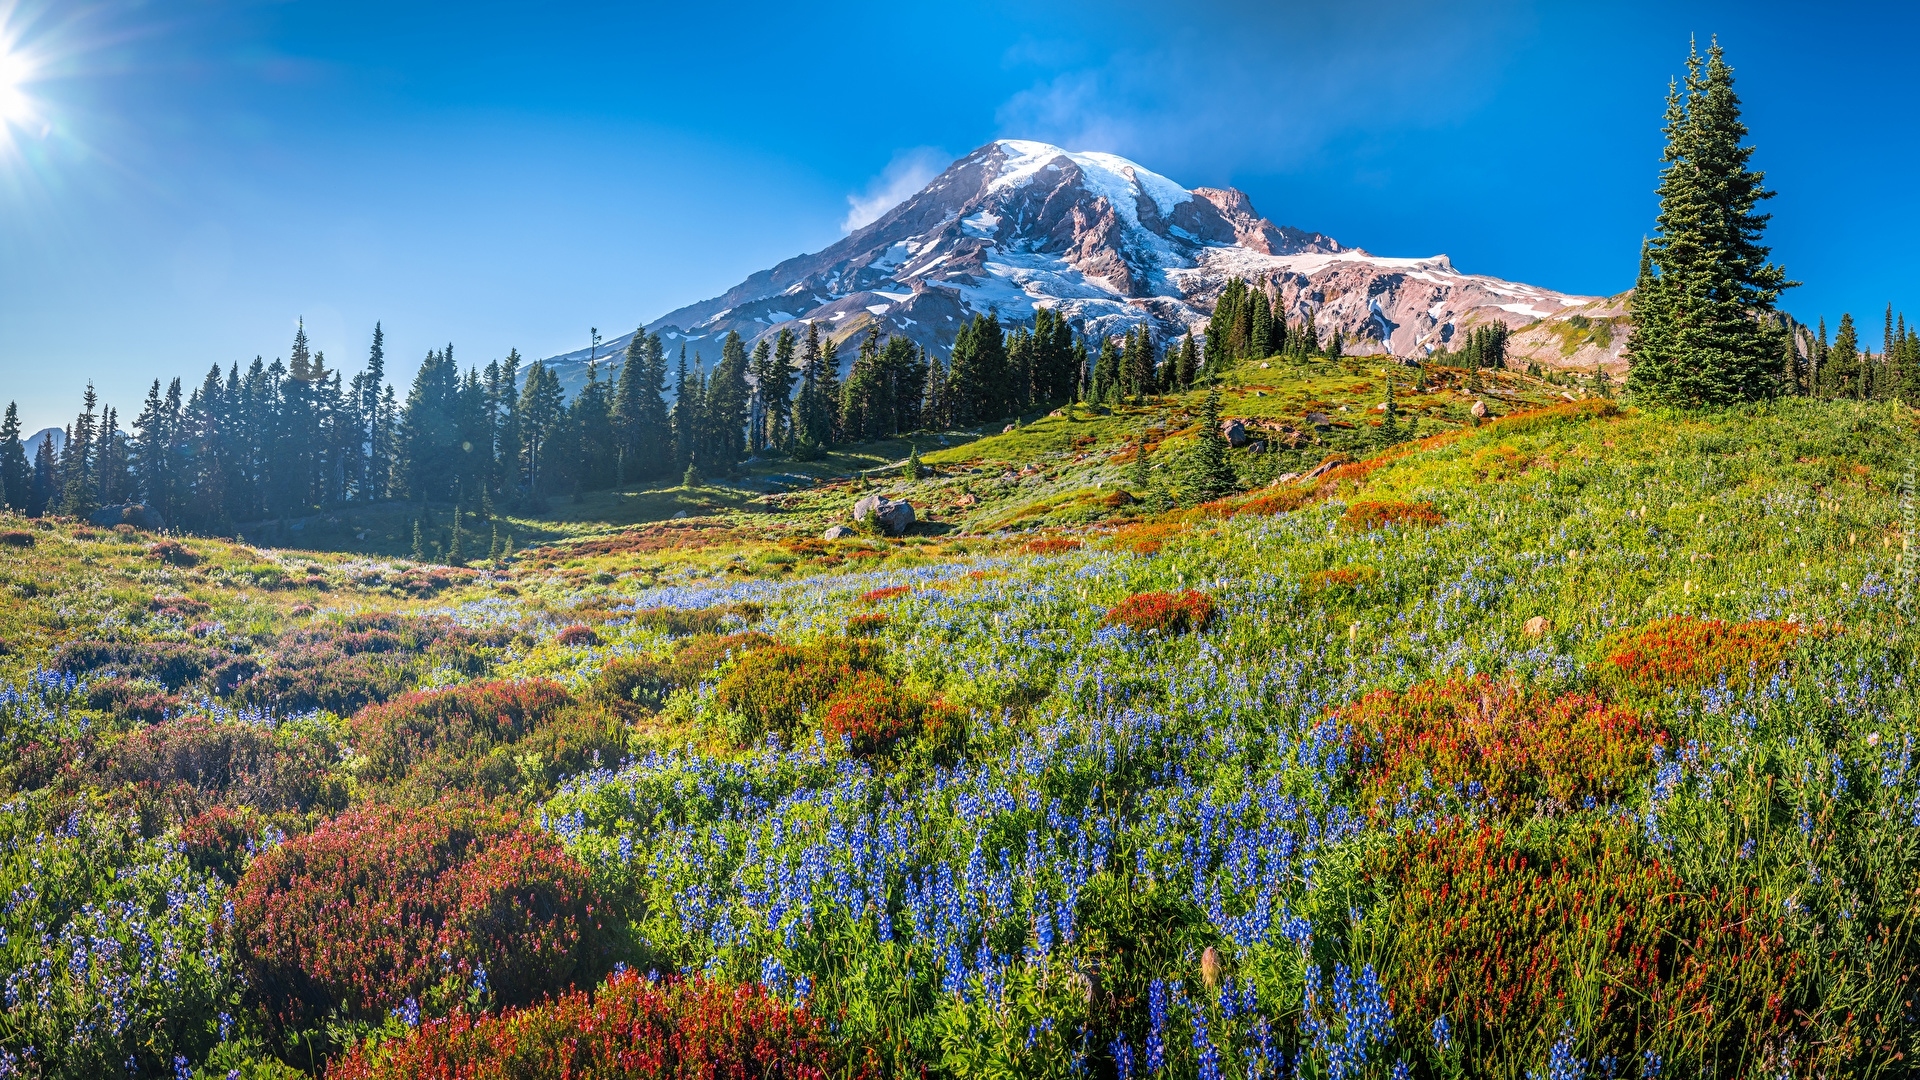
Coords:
pixel 1578 742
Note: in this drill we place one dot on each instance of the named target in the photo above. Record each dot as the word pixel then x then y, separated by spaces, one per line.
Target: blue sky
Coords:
pixel 185 179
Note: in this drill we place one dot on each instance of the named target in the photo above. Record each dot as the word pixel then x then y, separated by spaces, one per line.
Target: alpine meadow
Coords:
pixel 1072 626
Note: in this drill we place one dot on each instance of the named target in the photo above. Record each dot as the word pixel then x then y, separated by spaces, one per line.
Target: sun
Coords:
pixel 15 106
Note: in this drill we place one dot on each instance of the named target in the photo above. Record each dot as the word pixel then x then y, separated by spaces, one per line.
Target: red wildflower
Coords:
pixel 1365 516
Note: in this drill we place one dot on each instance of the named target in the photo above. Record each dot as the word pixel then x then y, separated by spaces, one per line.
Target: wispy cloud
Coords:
pixel 1267 86
pixel 906 174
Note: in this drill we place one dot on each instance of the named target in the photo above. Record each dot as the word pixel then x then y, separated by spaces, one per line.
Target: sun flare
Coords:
pixel 15 106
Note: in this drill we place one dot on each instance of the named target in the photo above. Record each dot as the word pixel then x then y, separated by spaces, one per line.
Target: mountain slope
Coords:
pixel 1015 226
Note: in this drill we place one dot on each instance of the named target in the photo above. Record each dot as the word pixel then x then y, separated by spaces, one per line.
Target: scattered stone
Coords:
pixel 1320 470
pixel 1538 626
pixel 837 532
pixel 967 499
pixel 1382 407
pixel 679 515
pixel 1234 432
pixel 1479 410
pixel 1007 429
pixel 893 516
pixel 1319 419
pixel 1264 365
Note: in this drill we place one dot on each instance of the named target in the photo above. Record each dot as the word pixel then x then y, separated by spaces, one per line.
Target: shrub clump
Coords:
pixel 1050 545
pixel 19 538
pixel 873 714
pixel 341 666
pixel 629 1029
pixel 647 680
pixel 187 767
pixel 383 904
pixel 1486 740
pixel 777 687
pixel 470 735
pixel 173 553
pixel 577 634
pixel 1501 935
pixel 1163 612
pixel 1686 653
pixel 880 596
pixel 1365 516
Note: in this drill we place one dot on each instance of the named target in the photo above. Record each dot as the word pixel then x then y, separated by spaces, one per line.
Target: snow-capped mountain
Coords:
pixel 1016 226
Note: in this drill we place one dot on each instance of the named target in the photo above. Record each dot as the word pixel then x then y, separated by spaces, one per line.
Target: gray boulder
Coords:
pixel 134 514
pixel 893 516
pixel 1234 432
pixel 837 532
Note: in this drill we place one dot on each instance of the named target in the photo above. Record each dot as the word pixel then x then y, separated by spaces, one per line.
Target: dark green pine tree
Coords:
pixel 1187 368
pixel 977 374
pixel 778 391
pixel 1259 325
pixel 813 409
pixel 681 420
pixel 627 413
pixel 1712 341
pixel 1207 472
pixel 1843 361
pixel 78 495
pixel 16 475
pixel 1106 371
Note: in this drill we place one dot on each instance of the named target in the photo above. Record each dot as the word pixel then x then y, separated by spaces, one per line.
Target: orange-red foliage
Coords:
pixel 628 1029
pixel 873 713
pixel 1164 612
pixel 1367 515
pixel 878 596
pixel 1501 935
pixel 1683 652
pixel 1518 747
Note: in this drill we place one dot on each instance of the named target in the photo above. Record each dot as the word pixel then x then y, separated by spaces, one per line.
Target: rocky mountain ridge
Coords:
pixel 1017 225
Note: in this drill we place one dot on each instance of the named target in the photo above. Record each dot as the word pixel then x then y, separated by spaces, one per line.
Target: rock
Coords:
pixel 967 499
pixel 679 515
pixel 1319 419
pixel 1285 478
pixel 134 514
pixel 1321 469
pixel 1234 432
pixel 1538 626
pixel 1264 365
pixel 1382 407
pixel 1055 414
pixel 1479 410
pixel 893 516
pixel 1007 429
pixel 837 532
pixel 1257 446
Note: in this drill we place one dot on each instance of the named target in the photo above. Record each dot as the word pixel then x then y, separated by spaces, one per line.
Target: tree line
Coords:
pixel 274 440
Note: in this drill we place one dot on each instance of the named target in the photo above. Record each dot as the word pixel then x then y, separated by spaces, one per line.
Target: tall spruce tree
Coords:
pixel 1703 308
pixel 16 475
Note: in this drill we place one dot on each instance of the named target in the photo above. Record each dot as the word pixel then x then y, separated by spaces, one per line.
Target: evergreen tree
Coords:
pixel 1106 371
pixel 728 397
pixel 685 405
pixel 16 475
pixel 1207 472
pixel 933 405
pixel 429 429
pixel 866 402
pixel 598 465
pixel 1188 365
pixel 976 379
pixel 1707 292
pixel 1843 362
pixel 77 492
pixel 542 415
pixel 1137 376
pixel 46 482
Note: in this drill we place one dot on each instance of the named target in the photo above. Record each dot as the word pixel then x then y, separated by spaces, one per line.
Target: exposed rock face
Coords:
pixel 1016 226
pixel 1234 432
pixel 893 516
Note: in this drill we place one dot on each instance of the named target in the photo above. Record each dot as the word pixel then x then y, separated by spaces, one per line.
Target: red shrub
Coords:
pixel 1365 516
pixel 878 596
pixel 340 666
pixel 1345 581
pixel 870 622
pixel 1517 747
pixel 1686 653
pixel 775 688
pixel 188 766
pixel 358 914
pixel 1273 500
pixel 216 841
pixel 1050 545
pixel 873 713
pixel 129 699
pixel 173 553
pixel 458 722
pixel 577 635
pixel 629 1029
pixel 1502 935
pixel 17 538
pixel 1162 612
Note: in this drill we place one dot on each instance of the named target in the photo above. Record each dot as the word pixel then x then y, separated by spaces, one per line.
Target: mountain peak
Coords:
pixel 1017 225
